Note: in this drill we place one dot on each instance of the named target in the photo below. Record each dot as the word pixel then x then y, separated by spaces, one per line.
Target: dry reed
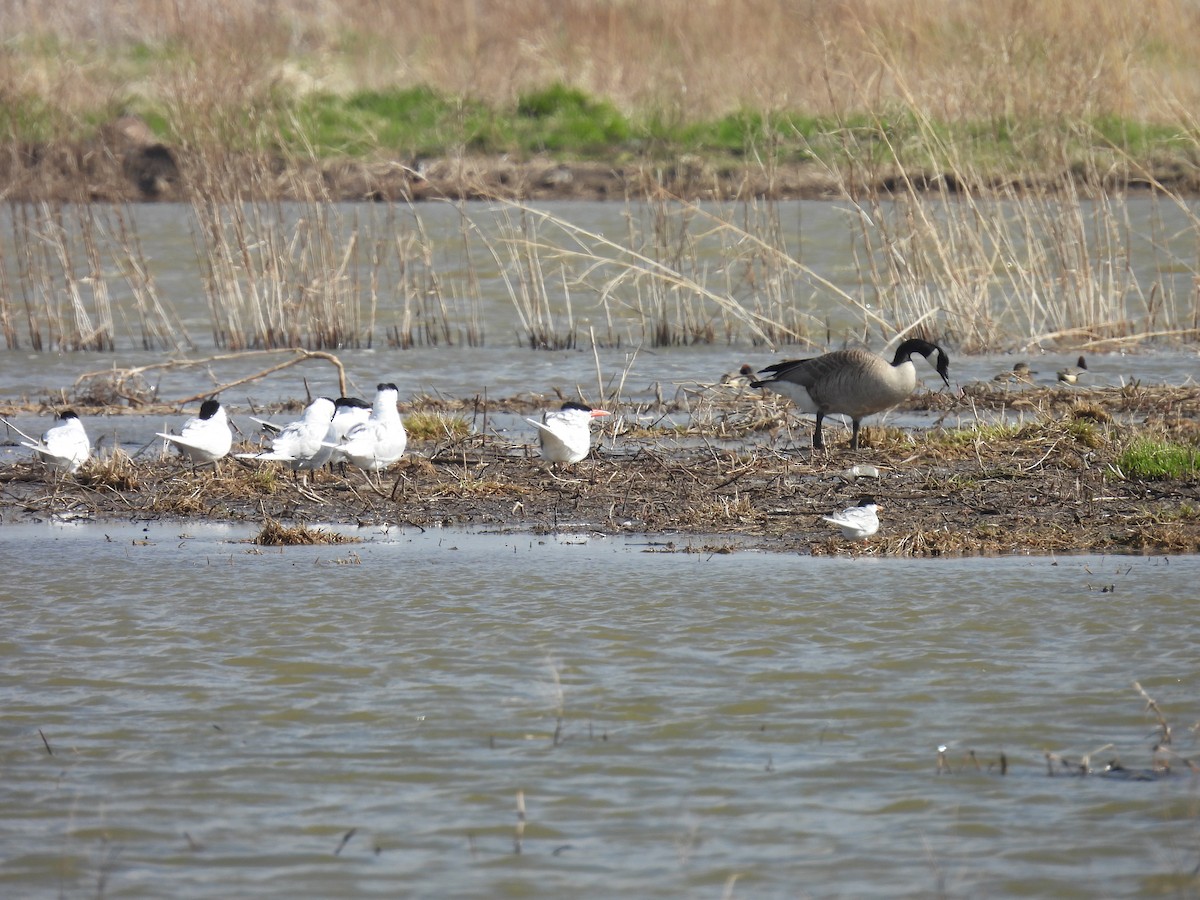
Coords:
pixel 1001 60
pixel 276 534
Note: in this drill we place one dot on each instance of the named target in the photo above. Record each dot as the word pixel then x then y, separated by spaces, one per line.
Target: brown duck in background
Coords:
pixel 1019 374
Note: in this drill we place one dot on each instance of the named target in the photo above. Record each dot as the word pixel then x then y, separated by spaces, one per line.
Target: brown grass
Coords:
pixel 116 472
pixel 956 60
pixel 276 534
pixel 1036 78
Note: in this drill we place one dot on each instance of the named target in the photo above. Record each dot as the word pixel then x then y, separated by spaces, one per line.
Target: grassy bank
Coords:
pixel 1001 87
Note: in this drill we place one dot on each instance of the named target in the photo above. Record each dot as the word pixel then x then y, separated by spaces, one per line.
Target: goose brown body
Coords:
pixel 853 382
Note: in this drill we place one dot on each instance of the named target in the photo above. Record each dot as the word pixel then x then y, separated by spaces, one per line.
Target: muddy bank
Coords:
pixel 744 480
pixel 126 164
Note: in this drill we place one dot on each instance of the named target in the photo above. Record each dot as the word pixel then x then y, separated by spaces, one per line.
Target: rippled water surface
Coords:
pixel 186 715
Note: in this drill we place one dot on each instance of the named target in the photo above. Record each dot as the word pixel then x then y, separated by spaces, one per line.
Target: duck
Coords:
pixel 1072 374
pixel 204 438
pixel 1020 373
pixel 564 434
pixel 853 382
pixel 299 443
pixel 857 522
pixel 64 448
pixel 739 379
pixel 378 442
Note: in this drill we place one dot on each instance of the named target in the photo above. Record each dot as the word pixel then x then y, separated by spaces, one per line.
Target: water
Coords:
pixel 360 720
pixel 221 717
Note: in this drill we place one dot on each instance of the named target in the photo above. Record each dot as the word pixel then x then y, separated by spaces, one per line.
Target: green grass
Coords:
pixel 1150 459
pixel 986 433
pixel 432 426
pixel 1086 432
pixel 567 123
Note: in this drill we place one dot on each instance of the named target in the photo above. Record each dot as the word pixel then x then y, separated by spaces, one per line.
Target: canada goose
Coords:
pixel 204 438
pixel 64 447
pixel 299 443
pixel 853 382
pixel 1020 373
pixel 565 434
pixel 857 522
pixel 379 441
pixel 1072 374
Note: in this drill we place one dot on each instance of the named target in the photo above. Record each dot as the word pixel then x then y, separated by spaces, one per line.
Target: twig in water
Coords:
pixel 345 840
pixel 942 764
pixel 1152 706
pixel 519 833
pixel 45 742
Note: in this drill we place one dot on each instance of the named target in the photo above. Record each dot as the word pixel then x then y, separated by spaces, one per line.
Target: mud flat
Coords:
pixel 741 478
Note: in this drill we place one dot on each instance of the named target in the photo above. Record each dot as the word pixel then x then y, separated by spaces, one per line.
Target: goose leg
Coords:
pixel 854 434
pixel 818 439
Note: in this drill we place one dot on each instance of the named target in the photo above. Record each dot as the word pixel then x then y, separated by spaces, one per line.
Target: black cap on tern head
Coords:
pixel 865 501
pixel 358 402
pixel 209 408
pixel 68 414
pixel 571 404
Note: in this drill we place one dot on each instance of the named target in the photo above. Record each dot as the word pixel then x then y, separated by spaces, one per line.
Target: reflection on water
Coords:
pixel 187 715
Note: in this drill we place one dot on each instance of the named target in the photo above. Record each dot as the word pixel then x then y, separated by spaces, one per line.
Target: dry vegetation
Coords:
pixel 976 274
pixel 949 59
pixel 988 127
pixel 976 90
pixel 726 469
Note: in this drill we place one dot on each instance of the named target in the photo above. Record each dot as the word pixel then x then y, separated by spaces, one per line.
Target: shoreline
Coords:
pixel 129 167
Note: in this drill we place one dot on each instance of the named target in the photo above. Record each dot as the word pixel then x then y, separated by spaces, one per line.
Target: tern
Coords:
pixel 348 412
pixel 299 443
pixel 857 522
pixel 853 382
pixel 379 441
pixel 565 434
pixel 64 447
pixel 204 438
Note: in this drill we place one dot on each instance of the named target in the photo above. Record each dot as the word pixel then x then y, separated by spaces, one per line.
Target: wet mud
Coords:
pixel 741 477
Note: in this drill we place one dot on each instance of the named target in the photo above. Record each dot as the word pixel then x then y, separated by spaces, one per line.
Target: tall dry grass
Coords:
pixel 60 266
pixel 979 273
pixel 1011 61
pixel 996 267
